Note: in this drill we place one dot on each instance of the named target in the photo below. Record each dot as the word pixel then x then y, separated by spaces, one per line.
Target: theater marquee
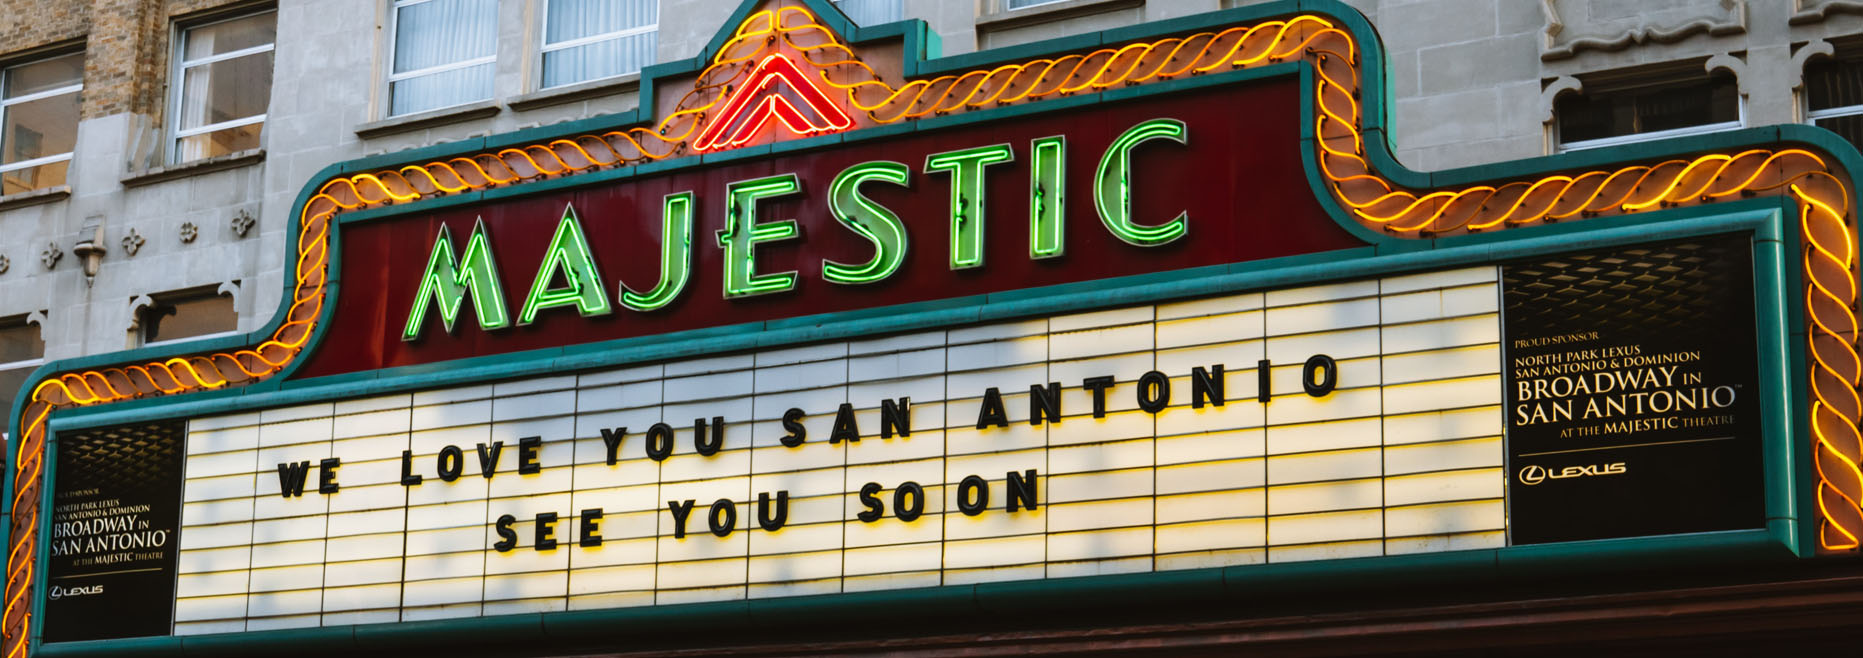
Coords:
pixel 831 316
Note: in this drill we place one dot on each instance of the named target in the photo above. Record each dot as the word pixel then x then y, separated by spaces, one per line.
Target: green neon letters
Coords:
pixel 871 220
pixel 675 256
pixel 583 287
pixel 448 284
pixel 1048 197
pixel 568 275
pixel 967 197
pixel 1112 194
pixel 742 234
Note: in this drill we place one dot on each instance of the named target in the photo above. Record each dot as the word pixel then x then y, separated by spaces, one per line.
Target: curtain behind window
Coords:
pixel 615 37
pixel 872 12
pixel 432 40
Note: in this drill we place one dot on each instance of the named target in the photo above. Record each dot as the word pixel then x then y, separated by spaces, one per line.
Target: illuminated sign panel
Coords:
pixel 1632 392
pixel 897 461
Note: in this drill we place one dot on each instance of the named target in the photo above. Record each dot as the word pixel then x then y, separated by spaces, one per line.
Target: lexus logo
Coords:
pixel 1535 474
pixel 57 592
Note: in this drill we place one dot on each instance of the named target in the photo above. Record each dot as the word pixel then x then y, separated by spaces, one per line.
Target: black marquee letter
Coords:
pixel 326 475
pixel 527 455
pixel 1154 391
pixel 1022 489
pixel 507 537
pixel 875 508
pixel 291 478
pixel 992 412
pixel 546 531
pixel 846 427
pixel 773 522
pixel 612 439
pixel 723 517
pixel 488 460
pixel 1264 384
pixel 909 491
pixel 680 514
pixel 796 432
pixel 699 442
pixel 660 442
pixel 1098 386
pixel 452 462
pixel 1045 403
pixel 1207 385
pixel 896 417
pixel 965 489
pixel 1327 368
pixel 590 534
pixel 408 477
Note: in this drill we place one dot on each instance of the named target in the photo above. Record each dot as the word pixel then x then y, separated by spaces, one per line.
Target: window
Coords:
pixel 872 12
pixel 444 51
pixel 1025 4
pixel 21 350
pixel 181 316
pixel 223 82
pixel 1609 117
pixel 587 40
pixel 38 122
pixel 1834 97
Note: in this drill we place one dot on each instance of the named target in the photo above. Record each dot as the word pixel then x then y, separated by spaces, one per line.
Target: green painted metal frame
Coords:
pixel 1777 270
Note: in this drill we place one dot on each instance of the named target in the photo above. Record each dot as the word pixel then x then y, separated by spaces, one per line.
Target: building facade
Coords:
pixel 155 156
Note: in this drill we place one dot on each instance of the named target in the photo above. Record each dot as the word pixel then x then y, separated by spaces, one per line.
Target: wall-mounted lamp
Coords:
pixel 90 252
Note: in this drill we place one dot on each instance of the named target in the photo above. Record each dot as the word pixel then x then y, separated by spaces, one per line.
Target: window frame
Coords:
pixel 184 296
pixel 1009 5
pixel 1812 116
pixel 544 46
pixel 178 68
pixel 1740 121
pixel 390 77
pixel 5 69
pixel 24 364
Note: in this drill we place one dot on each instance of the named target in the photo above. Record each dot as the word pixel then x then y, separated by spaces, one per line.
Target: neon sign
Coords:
pixel 567 274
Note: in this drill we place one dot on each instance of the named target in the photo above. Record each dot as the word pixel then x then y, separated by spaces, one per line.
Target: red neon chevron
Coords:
pixel 774 68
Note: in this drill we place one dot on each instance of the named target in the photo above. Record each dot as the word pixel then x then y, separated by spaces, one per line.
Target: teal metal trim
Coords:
pixel 40 583
pixel 1219 585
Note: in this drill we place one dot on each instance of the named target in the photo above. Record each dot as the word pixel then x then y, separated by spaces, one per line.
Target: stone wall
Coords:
pixel 1472 80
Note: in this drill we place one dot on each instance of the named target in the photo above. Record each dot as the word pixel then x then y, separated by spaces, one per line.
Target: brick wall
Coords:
pixel 28 24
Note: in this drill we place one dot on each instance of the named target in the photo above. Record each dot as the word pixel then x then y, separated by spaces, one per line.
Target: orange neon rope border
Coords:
pixel 1830 269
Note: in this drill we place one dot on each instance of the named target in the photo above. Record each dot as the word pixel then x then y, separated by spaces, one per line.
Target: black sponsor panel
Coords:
pixel 115 532
pixel 1632 392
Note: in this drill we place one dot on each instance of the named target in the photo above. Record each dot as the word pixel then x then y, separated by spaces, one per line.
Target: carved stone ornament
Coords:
pixel 189 231
pixel 50 255
pixel 1812 11
pixel 5 264
pixel 243 222
pixel 132 242
pixel 1575 25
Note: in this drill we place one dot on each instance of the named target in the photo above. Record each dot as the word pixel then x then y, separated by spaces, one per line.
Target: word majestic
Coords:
pixel 567 275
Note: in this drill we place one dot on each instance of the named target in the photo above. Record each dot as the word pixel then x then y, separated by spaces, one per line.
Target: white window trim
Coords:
pixel 37 95
pixel 28 164
pixel 389 80
pixel 1039 3
pixel 185 339
pixel 177 78
pixel 543 28
pixel 1620 140
pixel 28 363
pixel 1834 112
